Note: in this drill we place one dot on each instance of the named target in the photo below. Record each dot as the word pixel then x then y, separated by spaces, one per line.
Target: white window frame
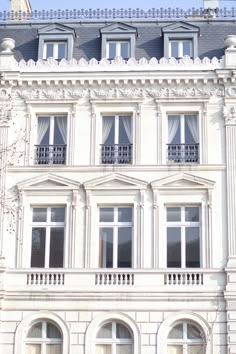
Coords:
pixel 182 224
pixel 114 341
pixel 51 125
pixel 115 225
pixel 48 225
pixel 55 49
pixel 180 47
pixel 44 341
pixel 118 48
pixel 184 342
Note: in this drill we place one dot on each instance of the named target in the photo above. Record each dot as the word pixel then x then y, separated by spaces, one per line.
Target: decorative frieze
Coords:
pixel 118 93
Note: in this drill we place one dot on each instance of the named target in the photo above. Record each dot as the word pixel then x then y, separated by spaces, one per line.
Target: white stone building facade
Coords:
pixel 118 206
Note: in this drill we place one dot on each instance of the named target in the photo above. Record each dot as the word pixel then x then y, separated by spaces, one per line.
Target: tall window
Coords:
pixel 115 237
pixel 185 338
pixel 47 249
pixel 183 138
pixel 180 47
pixel 116 145
pixel 183 236
pixel 51 140
pixel 118 49
pixel 43 338
pixel 56 50
pixel 114 338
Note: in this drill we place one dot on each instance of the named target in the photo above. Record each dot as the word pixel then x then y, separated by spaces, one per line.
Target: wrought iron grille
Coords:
pixel 50 154
pixel 183 153
pixel 116 154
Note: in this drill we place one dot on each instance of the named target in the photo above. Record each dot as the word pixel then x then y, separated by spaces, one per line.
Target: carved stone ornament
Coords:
pixel 230 118
pixel 5 113
pixel 164 92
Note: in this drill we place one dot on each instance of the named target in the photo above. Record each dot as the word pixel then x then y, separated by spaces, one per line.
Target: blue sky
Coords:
pixel 79 4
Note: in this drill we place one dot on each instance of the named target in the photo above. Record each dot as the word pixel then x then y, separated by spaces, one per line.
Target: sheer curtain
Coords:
pixel 43 125
pixel 106 128
pixel 127 126
pixel 192 124
pixel 62 126
pixel 124 349
pixel 54 349
pixel 103 349
pixel 173 124
pixel 33 349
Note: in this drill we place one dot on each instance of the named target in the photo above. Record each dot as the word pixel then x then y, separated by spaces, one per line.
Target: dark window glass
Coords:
pixel 106 215
pixel 173 214
pixel 124 247
pixel 39 214
pixel 173 247
pixel 56 247
pixel 192 247
pixel 38 247
pixel 106 247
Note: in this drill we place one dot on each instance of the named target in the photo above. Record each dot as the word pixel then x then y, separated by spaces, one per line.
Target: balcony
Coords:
pixel 50 154
pixel 182 153
pixel 116 154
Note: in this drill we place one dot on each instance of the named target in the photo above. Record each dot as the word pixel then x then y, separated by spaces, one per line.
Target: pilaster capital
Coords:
pixel 229 115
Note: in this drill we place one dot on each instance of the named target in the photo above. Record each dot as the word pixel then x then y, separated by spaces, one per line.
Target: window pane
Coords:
pixel 173 129
pixel 106 215
pixel 124 247
pixel 108 130
pixel 195 349
pixel 112 50
pixel 103 349
pixel 106 248
pixel 174 349
pixel 38 247
pixel 56 247
pixel 61 51
pixel 173 247
pixel 49 50
pixel 122 331
pixel 33 349
pixel 125 133
pixel 124 349
pixel 43 130
pixel 52 331
pixel 174 49
pixel 54 349
pixel 187 48
pixel 60 130
pixel 193 332
pixel 125 214
pixel 39 214
pixel 173 214
pixel 57 214
pixel 35 331
pixel 192 214
pixel 192 247
pixel 105 331
pixel 124 50
pixel 176 332
pixel 191 130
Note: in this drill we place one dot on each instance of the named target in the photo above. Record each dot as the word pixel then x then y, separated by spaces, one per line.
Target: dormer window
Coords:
pixel 118 40
pixel 56 41
pixel 180 39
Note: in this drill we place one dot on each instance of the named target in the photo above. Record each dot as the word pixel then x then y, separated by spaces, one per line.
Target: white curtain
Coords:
pixel 127 126
pixel 54 349
pixel 61 122
pixel 192 124
pixel 173 124
pixel 106 128
pixel 174 349
pixel 43 124
pixel 124 349
pixel 103 349
pixel 195 349
pixel 33 349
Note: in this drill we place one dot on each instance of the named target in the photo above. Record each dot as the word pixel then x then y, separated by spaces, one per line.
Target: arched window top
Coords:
pixel 114 338
pixel 44 329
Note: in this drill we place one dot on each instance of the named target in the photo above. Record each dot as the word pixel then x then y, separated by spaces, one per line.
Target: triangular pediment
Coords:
pixel 117 28
pixel 182 181
pixel 180 27
pixel 48 181
pixel 55 29
pixel 115 181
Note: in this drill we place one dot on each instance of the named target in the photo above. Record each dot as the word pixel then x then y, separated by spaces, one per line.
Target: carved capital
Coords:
pixel 230 116
pixel 5 113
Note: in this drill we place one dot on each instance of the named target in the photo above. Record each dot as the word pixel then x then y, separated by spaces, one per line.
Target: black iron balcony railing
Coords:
pixel 50 154
pixel 116 154
pixel 183 153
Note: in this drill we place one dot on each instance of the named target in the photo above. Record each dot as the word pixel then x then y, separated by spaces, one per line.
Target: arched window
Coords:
pixel 43 338
pixel 114 338
pixel 185 338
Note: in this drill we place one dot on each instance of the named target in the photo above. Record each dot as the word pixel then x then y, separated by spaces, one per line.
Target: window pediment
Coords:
pixel 180 27
pixel 48 181
pixel 118 28
pixel 183 181
pixel 55 29
pixel 115 181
